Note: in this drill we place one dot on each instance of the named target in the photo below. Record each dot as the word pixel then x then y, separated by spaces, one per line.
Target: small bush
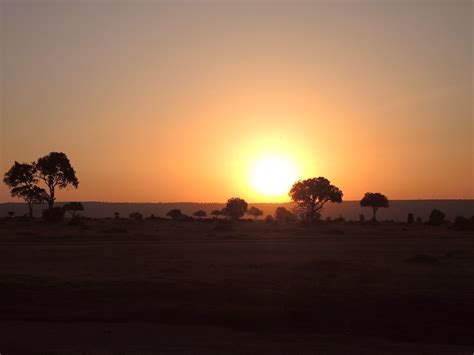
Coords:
pixel 436 218
pixel 136 216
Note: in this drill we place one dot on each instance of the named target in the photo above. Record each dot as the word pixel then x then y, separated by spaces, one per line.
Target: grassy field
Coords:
pixel 247 288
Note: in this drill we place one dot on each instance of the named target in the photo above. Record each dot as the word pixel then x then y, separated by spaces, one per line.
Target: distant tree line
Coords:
pixel 38 182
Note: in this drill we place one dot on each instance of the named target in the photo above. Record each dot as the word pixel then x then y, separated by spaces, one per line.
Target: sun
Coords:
pixel 273 175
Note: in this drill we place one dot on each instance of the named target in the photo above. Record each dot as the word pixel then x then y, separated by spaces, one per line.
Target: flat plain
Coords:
pixel 160 286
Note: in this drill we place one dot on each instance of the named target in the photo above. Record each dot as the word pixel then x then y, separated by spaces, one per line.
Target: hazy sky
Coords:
pixel 174 100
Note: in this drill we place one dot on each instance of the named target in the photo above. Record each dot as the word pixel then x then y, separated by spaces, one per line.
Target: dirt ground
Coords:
pixel 249 288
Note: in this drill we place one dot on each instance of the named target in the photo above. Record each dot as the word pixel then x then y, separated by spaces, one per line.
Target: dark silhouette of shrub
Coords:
pixel 255 212
pixel 410 218
pixel 418 220
pixel 10 214
pixel 53 215
pixel 21 179
pixel 436 217
pixel 362 218
pixel 282 215
pixel 462 223
pixel 375 200
pixel 136 216
pixel 269 219
pixel 235 208
pixel 174 214
pixel 339 219
pixel 73 208
pixel 311 195
pixel 200 214
pixel 216 213
pixel 56 171
pixel 116 215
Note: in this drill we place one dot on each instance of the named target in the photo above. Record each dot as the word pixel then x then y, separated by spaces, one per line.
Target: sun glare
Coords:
pixel 273 175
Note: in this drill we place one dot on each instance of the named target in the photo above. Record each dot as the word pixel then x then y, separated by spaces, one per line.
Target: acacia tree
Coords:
pixel 73 208
pixel 255 212
pixel 56 171
pixel 22 180
pixel 311 195
pixel 375 200
pixel 235 208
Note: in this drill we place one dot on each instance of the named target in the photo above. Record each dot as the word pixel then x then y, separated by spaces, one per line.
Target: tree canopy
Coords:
pixel 56 171
pixel 21 179
pixel 255 212
pixel 375 200
pixel 235 208
pixel 73 208
pixel 311 195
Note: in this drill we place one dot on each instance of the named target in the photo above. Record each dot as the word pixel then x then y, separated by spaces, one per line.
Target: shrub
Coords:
pixel 136 216
pixel 436 218
pixel 282 215
pixel 200 214
pixel 174 214
pixel 269 219
pixel 410 218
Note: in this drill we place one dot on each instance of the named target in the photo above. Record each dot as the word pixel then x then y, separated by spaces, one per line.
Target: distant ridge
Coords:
pixel 348 209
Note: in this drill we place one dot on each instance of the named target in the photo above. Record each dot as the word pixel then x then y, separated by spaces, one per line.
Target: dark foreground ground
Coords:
pixel 191 287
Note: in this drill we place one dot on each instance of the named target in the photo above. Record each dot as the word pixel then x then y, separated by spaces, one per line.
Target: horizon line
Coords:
pixel 222 203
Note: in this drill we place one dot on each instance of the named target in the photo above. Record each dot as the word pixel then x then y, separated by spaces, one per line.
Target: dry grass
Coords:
pixel 195 288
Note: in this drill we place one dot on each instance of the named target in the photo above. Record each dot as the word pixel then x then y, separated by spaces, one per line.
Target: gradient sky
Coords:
pixel 174 100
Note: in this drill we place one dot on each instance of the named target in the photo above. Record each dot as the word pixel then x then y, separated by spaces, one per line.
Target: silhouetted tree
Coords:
pixel 418 220
pixel 375 200
pixel 200 214
pixel 410 218
pixel 174 214
pixel 117 215
pixel 362 218
pixel 235 208
pixel 136 216
pixel 269 219
pixel 282 215
pixel 311 195
pixel 437 217
pixel 73 208
pixel 22 180
pixel 255 212
pixel 56 171
pixel 216 213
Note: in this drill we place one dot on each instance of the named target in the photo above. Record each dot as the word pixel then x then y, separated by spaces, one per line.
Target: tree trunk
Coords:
pixel 30 209
pixel 374 210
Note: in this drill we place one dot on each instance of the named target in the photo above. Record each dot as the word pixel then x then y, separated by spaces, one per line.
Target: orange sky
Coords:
pixel 173 101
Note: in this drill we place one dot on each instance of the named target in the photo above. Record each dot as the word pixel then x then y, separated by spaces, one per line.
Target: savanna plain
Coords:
pixel 247 287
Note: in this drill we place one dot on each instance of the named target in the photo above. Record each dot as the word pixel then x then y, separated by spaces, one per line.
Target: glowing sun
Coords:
pixel 273 175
